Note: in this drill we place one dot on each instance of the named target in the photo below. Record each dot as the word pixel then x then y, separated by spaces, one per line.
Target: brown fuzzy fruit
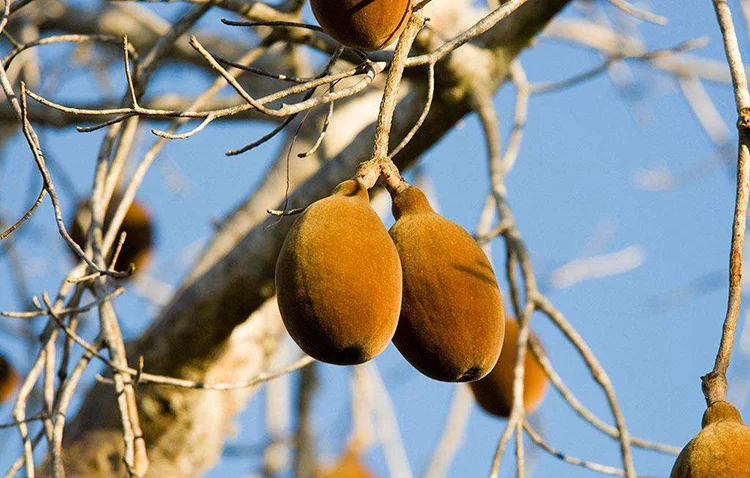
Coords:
pixel 338 279
pixel 452 324
pixel 366 25
pixel 494 393
pixel 720 450
pixel 9 380
pixel 137 224
pixel 348 466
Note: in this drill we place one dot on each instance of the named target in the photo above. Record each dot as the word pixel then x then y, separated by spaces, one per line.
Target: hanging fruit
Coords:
pixel 9 380
pixel 720 450
pixel 452 325
pixel 366 25
pixel 349 465
pixel 338 279
pixel 137 224
pixel 494 393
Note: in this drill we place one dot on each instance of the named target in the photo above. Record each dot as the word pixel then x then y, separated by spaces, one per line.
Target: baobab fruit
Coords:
pixel 348 466
pixel 137 225
pixel 9 380
pixel 338 279
pixel 720 450
pixel 366 25
pixel 452 325
pixel 494 393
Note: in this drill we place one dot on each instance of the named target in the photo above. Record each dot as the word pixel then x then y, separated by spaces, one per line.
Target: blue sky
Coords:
pixel 575 175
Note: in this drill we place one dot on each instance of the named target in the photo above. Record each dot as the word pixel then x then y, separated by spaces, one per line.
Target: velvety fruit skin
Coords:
pixel 338 279
pixel 348 466
pixel 452 324
pixel 720 450
pixel 9 380
pixel 137 224
pixel 494 393
pixel 366 25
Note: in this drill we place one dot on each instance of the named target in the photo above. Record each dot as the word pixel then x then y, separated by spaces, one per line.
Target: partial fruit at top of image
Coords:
pixel 452 324
pixel 366 25
pixel 338 279
pixel 494 393
pixel 137 224
pixel 720 450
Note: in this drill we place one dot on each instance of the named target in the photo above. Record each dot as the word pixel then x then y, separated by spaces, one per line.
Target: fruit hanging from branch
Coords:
pixel 494 393
pixel 366 25
pixel 9 380
pixel 452 324
pixel 338 279
pixel 349 465
pixel 720 450
pixel 137 224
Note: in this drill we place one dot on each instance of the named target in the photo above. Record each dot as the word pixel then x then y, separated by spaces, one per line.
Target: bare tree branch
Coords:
pixel 715 383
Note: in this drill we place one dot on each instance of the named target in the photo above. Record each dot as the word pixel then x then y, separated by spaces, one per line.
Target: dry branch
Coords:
pixel 715 382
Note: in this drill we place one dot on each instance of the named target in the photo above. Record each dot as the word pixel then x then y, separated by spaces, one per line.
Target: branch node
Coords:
pixel 714 385
pixel 743 122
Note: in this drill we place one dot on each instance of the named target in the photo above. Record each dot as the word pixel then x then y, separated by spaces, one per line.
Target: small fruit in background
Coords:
pixel 338 279
pixel 9 380
pixel 366 25
pixel 137 224
pixel 720 450
pixel 452 325
pixel 349 465
pixel 494 393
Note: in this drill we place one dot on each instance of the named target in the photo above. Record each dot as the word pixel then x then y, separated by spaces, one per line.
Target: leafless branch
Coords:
pixel 26 216
pixel 715 383
pixel 453 433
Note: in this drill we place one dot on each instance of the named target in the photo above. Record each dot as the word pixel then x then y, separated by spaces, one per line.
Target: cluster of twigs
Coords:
pixel 421 53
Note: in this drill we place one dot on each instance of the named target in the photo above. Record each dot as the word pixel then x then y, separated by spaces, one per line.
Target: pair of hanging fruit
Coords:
pixel 346 287
pixel 137 224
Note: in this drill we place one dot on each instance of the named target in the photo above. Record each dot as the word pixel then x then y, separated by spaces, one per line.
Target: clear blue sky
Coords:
pixel 582 149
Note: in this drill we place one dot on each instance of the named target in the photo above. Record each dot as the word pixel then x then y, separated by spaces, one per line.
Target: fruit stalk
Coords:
pixel 715 383
pixel 380 165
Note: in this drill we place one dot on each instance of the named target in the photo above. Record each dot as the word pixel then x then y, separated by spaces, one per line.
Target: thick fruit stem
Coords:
pixel 714 384
pixel 380 166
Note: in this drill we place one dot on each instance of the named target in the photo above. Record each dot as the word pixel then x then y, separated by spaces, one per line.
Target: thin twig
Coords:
pixel 326 71
pixel 380 164
pixel 323 132
pixel 715 382
pixel 386 424
pixel 453 432
pixel 390 94
pixel 597 371
pixel 25 217
pixel 33 142
pixel 639 13
pixel 584 412
pixel 589 465
pixel 517 413
pixel 425 112
pixel 520 452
